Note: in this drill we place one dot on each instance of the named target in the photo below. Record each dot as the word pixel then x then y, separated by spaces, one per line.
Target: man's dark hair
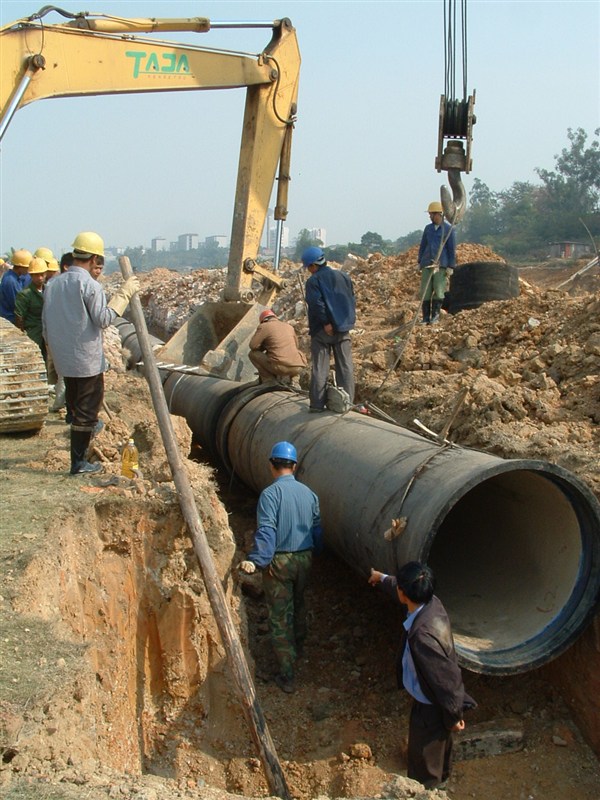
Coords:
pixel 66 261
pixel 416 581
pixel 281 463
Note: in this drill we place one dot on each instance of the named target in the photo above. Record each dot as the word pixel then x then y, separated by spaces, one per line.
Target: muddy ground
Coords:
pixel 113 678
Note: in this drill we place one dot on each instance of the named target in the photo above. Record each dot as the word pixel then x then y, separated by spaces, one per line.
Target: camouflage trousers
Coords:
pixel 284 583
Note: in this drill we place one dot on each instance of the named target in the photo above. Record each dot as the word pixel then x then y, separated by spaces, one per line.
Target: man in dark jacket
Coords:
pixel 428 669
pixel 331 317
pixel 437 259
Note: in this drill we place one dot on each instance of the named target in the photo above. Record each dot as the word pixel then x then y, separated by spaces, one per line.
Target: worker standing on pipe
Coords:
pixel 274 349
pixel 428 669
pixel 331 317
pixel 289 529
pixel 437 259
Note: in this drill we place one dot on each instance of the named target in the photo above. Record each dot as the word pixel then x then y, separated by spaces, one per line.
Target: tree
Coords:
pixel 572 191
pixel 372 242
pixel 338 253
pixel 136 257
pixel 303 241
pixel 481 220
pixel 408 241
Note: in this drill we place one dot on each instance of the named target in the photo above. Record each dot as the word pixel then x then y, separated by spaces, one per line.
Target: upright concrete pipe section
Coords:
pixel 515 544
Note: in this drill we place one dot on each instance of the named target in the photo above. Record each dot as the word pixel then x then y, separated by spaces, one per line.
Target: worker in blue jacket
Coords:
pixel 288 532
pixel 331 317
pixel 437 259
pixel 13 281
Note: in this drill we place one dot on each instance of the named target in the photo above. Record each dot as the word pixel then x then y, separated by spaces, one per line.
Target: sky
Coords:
pixel 136 167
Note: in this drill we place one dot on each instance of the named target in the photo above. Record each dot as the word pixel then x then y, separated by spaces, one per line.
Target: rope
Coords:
pixel 451 33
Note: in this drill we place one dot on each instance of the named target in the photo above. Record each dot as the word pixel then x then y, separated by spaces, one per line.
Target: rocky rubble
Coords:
pixel 529 368
pixel 530 365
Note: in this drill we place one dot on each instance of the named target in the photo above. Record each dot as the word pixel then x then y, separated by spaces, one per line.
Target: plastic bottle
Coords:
pixel 130 460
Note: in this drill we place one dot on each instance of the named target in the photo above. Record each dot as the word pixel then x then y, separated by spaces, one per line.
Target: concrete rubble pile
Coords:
pixel 531 364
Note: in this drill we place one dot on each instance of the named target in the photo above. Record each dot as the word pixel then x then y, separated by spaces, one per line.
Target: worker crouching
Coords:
pixel 274 349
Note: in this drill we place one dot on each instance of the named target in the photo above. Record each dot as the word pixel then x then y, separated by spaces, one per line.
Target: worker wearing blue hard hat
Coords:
pixel 288 531
pixel 331 317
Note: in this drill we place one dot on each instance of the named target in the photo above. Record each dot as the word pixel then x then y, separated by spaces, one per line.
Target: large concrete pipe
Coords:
pixel 515 544
pixel 129 341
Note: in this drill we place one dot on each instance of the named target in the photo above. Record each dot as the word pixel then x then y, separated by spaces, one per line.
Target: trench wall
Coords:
pixel 123 580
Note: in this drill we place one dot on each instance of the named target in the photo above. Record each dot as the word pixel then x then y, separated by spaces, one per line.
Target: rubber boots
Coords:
pixel 426 308
pixel 436 307
pixel 79 445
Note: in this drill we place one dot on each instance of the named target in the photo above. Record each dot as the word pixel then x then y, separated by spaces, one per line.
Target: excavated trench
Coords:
pixel 156 696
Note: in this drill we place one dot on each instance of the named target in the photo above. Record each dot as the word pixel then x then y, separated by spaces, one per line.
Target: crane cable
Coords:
pixel 450 42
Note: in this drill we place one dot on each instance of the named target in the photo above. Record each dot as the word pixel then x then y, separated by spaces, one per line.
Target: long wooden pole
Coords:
pixel 216 596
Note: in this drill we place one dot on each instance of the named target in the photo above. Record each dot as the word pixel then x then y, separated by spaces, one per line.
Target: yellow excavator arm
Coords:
pixel 97 54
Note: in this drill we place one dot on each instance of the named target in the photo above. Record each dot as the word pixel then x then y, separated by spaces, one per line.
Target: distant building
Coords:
pixel 272 238
pixel 158 245
pixel 320 234
pixel 267 235
pixel 188 241
pixel 219 240
pixel 569 249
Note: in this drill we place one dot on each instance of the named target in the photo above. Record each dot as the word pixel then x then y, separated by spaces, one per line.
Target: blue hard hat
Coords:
pixel 313 255
pixel 284 451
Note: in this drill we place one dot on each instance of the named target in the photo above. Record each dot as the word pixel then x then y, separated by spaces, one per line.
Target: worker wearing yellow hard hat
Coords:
pixel 29 303
pixel 437 256
pixel 45 253
pixel 13 281
pixel 74 315
pixel 52 269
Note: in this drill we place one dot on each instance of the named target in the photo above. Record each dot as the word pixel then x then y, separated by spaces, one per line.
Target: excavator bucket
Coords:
pixel 216 338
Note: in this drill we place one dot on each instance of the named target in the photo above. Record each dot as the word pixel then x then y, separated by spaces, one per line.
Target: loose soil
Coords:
pixel 113 677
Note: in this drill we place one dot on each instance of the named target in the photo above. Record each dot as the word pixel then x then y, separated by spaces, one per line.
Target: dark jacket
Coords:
pixel 330 300
pixel 432 649
pixel 430 245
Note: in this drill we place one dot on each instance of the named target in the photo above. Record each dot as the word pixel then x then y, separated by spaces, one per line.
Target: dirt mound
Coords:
pixel 113 677
pixel 531 364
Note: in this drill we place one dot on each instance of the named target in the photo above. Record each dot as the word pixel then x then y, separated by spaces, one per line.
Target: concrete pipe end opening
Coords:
pixel 517 563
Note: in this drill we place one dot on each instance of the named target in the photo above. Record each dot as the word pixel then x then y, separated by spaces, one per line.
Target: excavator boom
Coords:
pixel 93 54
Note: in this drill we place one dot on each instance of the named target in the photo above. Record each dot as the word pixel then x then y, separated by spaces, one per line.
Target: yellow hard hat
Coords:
pixel 45 253
pixel 37 265
pixel 53 265
pixel 21 258
pixel 435 208
pixel 88 242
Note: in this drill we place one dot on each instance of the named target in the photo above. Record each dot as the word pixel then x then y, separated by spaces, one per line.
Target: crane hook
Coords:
pixel 456 124
pixel 454 162
pixel 455 205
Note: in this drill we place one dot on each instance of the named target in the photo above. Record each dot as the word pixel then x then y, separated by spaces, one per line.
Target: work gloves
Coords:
pixel 248 567
pixel 120 299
